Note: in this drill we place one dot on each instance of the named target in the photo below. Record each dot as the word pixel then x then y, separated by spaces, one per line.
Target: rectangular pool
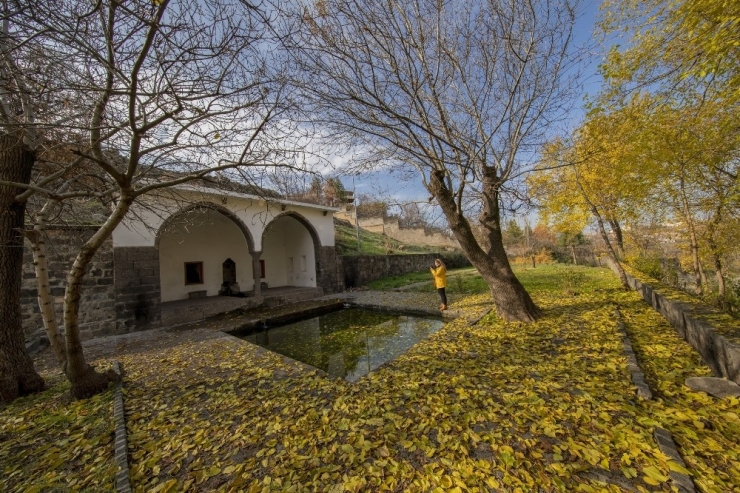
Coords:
pixel 348 343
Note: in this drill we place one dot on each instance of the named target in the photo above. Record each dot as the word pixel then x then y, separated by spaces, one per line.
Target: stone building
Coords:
pixel 190 242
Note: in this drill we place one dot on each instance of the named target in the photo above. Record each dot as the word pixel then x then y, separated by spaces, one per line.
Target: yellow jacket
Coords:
pixel 440 277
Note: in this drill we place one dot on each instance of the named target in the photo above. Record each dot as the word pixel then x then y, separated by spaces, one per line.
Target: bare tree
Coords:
pixel 18 149
pixel 411 216
pixel 461 91
pixel 149 95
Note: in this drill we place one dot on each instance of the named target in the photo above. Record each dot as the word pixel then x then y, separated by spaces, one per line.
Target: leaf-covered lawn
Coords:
pixel 500 407
pixel 493 407
pixel 50 443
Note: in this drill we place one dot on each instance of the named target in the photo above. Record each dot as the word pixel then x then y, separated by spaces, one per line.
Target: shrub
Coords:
pixel 571 280
pixel 647 264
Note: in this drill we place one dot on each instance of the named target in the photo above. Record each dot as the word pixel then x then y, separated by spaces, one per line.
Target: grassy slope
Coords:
pixel 371 243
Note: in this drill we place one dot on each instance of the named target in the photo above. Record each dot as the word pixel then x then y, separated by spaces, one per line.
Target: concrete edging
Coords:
pixel 123 479
pixel 662 437
pixel 719 354
pixel 638 377
pixel 665 442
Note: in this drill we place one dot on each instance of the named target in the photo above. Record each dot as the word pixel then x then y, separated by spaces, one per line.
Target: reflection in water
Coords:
pixel 348 343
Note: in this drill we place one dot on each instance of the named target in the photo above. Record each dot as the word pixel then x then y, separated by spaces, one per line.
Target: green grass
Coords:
pixel 416 277
pixel 345 240
pixel 570 280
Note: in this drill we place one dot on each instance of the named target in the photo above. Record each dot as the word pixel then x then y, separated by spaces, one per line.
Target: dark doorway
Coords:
pixel 229 267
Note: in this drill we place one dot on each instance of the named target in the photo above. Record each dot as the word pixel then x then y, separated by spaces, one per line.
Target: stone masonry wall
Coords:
pixel 97 314
pixel 362 269
pixel 328 268
pixel 138 298
pixel 391 228
pixel 719 354
pixel 417 236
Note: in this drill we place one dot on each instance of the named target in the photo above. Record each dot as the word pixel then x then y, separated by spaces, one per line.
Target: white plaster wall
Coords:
pixel 210 238
pixel 141 228
pixel 258 214
pixel 273 254
pixel 299 247
pixel 284 239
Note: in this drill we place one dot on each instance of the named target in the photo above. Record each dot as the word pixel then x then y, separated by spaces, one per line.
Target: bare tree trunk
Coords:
pixel 618 236
pixel 703 276
pixel 720 275
pixel 573 253
pixel 512 301
pixel 43 290
pixel 692 238
pixel 609 249
pixel 713 248
pixel 17 373
pixel 85 380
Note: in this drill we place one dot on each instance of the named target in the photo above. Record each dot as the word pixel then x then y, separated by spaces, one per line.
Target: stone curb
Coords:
pixel 719 354
pixel 123 480
pixel 662 437
pixel 409 310
pixel 665 442
pixel 638 377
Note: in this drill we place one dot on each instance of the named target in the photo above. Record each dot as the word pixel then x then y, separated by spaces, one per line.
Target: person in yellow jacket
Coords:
pixel 439 271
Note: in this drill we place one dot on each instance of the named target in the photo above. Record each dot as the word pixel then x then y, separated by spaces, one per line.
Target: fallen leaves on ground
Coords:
pixel 49 442
pixel 494 407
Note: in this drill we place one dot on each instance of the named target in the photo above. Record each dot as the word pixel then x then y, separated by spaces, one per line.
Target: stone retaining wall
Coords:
pixel 138 298
pixel 722 356
pixel 328 270
pixel 363 269
pixel 97 317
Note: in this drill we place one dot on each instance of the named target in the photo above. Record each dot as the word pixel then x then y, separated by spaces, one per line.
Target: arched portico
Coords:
pixel 222 234
pixel 194 245
pixel 182 216
pixel 288 256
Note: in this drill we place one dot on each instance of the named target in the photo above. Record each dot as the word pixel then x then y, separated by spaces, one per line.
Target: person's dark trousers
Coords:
pixel 442 295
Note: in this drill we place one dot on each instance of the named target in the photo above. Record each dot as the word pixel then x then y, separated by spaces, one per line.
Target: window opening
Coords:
pixel 193 273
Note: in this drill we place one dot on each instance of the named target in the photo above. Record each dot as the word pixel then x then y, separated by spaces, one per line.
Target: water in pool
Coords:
pixel 347 343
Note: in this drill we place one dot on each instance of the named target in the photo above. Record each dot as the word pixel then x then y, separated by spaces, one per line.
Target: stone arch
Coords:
pixel 207 205
pixel 301 219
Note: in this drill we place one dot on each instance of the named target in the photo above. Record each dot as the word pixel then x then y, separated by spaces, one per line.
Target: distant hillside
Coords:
pixel 345 238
